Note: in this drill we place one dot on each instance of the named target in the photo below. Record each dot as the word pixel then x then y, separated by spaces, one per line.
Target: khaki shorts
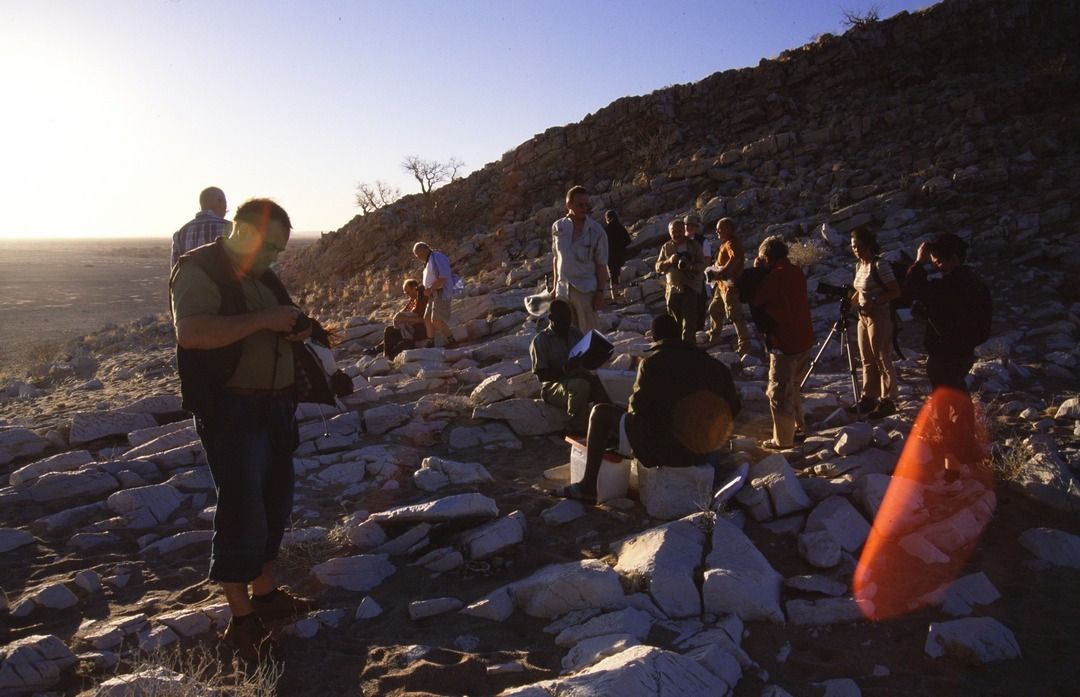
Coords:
pixel 437 309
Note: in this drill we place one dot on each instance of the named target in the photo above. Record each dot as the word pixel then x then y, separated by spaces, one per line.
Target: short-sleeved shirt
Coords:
pixel 266 359
pixel 871 279
pixel 549 350
pixel 438 266
pixel 576 260
pixel 204 228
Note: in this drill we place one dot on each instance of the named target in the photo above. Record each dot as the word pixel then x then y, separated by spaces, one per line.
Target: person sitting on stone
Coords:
pixel 408 328
pixel 681 410
pixel 564 381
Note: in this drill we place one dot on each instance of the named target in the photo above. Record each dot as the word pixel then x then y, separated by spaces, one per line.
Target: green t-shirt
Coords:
pixel 266 359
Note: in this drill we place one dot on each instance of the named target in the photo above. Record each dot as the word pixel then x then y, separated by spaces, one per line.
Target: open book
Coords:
pixel 594 350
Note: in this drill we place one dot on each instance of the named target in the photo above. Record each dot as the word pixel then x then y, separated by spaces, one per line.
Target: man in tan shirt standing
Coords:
pixel 684 263
pixel 580 261
pixel 726 301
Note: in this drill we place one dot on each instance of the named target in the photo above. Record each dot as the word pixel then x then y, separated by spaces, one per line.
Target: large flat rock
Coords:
pixel 663 561
pixel 88 426
pixel 20 442
pixel 560 588
pixel 357 573
pixel 145 506
pixel 738 578
pixel 62 462
pixel 972 640
pixel 526 417
pixel 87 483
pixel 454 507
pixel 1055 546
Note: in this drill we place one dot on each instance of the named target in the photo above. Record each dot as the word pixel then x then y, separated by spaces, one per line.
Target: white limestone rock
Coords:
pixel 145 506
pixel 1046 478
pixel 87 483
pixel 961 596
pixel 674 492
pixel 784 494
pixel 367 535
pixel 853 438
pixel 186 623
pixel 563 512
pixel 411 540
pixel 192 480
pixel 719 662
pixel 813 583
pixel 342 473
pixel 494 388
pixel 738 578
pixel 55 596
pixel 357 573
pixel 175 543
pixel 1055 546
pixel 20 442
pixel 825 610
pixel 458 506
pixel 526 417
pixel 663 562
pixel 420 609
pixel 431 355
pixel 13 538
pixel 149 681
pixel 839 518
pixel 591 650
pixel 819 548
pixel 367 609
pixel 168 440
pixel 1069 409
pixel 62 462
pixel 639 671
pixel 436 472
pixel 33 663
pixel 441 559
pixel 494 537
pixel 559 588
pixel 88 426
pixel 378 420
pixel 157 639
pixel 972 640
pixel 492 435
pixel 628 621
pixel 88 580
pixel 496 606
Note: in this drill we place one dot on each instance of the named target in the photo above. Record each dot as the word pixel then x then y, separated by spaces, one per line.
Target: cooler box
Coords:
pixel 618 384
pixel 614 479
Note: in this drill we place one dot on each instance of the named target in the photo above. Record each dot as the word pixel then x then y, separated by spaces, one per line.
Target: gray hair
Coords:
pixel 773 248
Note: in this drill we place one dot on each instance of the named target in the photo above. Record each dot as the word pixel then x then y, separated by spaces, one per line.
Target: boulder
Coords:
pixel 454 507
pixel 187 623
pixel 55 596
pixel 62 462
pixel 591 650
pixel 674 492
pixel 88 426
pixel 773 490
pixel 492 389
pixel 819 548
pixel 357 573
pixel 738 578
pixel 20 442
pixel 494 537
pixel 33 663
pixel 836 516
pixel 145 506
pixel 639 671
pixel 962 595
pixel 559 588
pixel 492 435
pixel 663 562
pixel 168 440
pixel 628 621
pixel 564 511
pixel 378 420
pixel 13 538
pixel 175 543
pixel 1055 546
pixel 853 438
pixel 419 609
pixel 88 483
pixel 974 640
pixel 526 417
pixel 436 472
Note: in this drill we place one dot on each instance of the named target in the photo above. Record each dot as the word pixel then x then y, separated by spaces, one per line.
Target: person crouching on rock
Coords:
pixel 681 410
pixel 408 328
pixel 564 381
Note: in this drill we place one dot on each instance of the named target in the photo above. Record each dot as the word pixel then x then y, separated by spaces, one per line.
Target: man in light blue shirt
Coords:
pixel 438 289
pixel 580 249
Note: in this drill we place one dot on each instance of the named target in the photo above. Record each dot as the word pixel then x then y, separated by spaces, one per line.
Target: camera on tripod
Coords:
pixel 842 293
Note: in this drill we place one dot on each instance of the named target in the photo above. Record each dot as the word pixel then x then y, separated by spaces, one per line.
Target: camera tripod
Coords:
pixel 841 330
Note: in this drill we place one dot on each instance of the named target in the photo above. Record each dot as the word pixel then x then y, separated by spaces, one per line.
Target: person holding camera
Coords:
pixel 684 263
pixel 782 310
pixel 724 274
pixel 236 331
pixel 874 288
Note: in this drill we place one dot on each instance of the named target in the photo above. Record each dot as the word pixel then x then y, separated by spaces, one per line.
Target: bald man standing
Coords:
pixel 208 225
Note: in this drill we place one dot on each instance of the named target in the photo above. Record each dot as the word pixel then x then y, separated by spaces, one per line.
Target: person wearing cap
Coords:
pixel 684 264
pixel 580 261
pixel 726 301
pixel 681 410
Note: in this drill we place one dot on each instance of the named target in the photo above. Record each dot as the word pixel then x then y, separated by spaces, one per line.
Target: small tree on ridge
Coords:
pixel 431 173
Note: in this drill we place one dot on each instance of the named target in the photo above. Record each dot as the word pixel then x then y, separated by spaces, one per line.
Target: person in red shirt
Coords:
pixel 782 301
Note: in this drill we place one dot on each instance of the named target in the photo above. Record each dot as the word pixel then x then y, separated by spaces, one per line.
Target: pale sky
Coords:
pixel 116 113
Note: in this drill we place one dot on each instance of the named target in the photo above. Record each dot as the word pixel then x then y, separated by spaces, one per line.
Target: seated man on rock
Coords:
pixel 408 328
pixel 681 410
pixel 564 381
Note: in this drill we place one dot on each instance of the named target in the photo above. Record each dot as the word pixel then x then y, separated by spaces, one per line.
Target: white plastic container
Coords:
pixel 618 384
pixel 614 479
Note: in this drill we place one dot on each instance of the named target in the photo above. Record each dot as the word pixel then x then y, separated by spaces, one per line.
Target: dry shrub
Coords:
pixel 807 253
pixel 196 671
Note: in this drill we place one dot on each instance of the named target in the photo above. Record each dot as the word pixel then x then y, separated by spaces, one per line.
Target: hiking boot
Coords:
pixel 281 606
pixel 863 406
pixel 884 408
pixel 252 640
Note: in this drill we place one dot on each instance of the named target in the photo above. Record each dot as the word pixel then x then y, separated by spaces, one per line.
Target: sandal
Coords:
pixel 773 445
pixel 574 492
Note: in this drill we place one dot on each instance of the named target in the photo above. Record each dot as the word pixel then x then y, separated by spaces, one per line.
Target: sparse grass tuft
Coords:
pixel 1008 461
pixel 196 671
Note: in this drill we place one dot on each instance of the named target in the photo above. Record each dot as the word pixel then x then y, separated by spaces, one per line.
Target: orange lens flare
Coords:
pixel 934 509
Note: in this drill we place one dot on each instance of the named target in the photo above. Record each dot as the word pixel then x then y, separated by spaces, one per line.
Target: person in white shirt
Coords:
pixel 580 249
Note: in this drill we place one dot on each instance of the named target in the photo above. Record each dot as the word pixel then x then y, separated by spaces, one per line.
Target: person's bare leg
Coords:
pixel 603 423
pixel 236 595
pixel 265 582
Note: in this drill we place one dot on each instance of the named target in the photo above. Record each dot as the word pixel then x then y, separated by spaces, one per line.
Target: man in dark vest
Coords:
pixel 235 330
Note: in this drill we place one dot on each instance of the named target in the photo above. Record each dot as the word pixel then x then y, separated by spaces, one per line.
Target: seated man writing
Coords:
pixel 681 409
pixel 408 328
pixel 564 381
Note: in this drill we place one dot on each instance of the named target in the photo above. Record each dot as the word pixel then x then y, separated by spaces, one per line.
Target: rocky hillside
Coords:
pixel 966 111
